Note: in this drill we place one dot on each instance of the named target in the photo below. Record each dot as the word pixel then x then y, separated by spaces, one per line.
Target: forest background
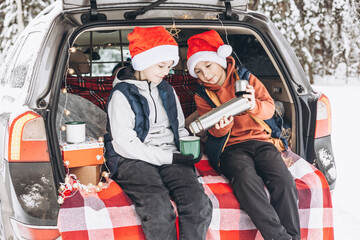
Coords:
pixel 323 33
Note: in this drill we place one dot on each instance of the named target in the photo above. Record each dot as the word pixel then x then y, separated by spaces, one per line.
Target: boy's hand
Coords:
pixel 250 96
pixel 178 158
pixel 224 122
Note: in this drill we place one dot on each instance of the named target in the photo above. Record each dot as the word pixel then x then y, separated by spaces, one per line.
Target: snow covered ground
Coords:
pixel 345 105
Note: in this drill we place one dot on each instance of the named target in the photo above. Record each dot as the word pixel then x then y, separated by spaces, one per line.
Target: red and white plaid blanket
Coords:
pixel 97 89
pixel 109 214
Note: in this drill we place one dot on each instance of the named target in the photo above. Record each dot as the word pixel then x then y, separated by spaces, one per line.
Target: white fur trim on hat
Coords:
pixel 155 55
pixel 204 56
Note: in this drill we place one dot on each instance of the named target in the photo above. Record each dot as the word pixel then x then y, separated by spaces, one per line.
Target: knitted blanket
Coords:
pixel 109 214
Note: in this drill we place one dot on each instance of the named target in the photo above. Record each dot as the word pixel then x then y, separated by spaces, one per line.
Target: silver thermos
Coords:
pixel 233 107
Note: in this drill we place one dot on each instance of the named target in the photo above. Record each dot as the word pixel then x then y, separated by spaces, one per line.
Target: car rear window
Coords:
pixel 252 55
pixel 104 50
pixel 108 50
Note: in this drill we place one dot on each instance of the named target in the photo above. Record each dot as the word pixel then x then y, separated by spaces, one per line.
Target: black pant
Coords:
pixel 149 188
pixel 248 166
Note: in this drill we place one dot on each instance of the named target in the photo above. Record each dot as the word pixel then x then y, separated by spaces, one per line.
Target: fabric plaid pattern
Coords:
pixel 315 205
pixel 229 222
pixel 184 86
pixel 103 84
pixel 110 214
pixel 97 89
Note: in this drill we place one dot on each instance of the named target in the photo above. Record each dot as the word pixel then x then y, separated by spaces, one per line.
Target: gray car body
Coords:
pixel 40 79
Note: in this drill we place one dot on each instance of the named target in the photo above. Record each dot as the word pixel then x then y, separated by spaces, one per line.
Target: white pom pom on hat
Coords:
pixel 224 50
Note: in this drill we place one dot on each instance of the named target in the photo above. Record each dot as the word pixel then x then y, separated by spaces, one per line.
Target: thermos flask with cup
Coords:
pixel 233 107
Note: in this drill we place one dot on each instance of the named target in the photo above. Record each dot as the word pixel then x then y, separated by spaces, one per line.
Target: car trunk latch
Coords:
pixel 93 15
pixel 228 15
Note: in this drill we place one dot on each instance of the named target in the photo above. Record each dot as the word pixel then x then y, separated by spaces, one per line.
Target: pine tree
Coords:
pixel 322 33
pixel 10 27
pixel 351 31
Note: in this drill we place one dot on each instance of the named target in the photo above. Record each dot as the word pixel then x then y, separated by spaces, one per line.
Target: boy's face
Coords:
pixel 210 72
pixel 157 72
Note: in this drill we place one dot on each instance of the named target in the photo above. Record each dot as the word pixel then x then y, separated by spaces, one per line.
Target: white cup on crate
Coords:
pixel 75 132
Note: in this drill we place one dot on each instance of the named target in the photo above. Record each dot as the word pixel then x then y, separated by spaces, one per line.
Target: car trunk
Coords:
pixel 99 52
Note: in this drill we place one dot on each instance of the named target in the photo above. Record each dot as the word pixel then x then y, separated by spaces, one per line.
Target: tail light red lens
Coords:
pixel 323 117
pixel 27 139
pixel 24 231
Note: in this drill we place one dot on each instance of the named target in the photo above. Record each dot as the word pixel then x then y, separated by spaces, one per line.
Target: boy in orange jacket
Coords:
pixel 239 146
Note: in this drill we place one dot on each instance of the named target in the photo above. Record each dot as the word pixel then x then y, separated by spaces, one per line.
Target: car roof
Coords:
pixel 76 4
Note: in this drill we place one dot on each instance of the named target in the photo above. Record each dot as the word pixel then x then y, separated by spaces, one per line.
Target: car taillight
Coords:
pixel 27 139
pixel 23 231
pixel 323 117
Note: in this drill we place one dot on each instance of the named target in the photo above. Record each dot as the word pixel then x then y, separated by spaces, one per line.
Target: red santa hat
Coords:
pixel 149 46
pixel 207 46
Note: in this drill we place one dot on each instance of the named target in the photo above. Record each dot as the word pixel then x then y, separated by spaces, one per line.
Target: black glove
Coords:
pixel 178 158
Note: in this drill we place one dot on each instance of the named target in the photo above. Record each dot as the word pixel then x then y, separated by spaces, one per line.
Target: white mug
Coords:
pixel 75 132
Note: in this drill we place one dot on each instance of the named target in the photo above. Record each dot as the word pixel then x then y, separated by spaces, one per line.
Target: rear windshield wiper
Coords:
pixel 133 14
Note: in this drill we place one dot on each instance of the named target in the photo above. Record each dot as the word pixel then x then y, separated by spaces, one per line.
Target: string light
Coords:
pixel 60 200
pixel 61 188
pixel 71 71
pixel 105 175
pixel 73 50
pixel 67 179
pixel 71 184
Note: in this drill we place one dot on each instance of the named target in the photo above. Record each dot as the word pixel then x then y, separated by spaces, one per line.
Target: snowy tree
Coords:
pixel 322 33
pixel 352 45
pixel 8 28
pixel 14 16
pixel 32 8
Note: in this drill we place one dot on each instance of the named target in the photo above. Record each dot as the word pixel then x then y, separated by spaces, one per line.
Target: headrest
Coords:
pixel 79 62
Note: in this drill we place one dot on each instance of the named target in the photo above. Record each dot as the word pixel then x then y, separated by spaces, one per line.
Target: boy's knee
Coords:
pixel 204 205
pixel 203 208
pixel 204 201
pixel 285 182
pixel 157 210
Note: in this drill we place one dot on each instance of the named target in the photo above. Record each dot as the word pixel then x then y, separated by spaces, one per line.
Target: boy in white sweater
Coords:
pixel 145 122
